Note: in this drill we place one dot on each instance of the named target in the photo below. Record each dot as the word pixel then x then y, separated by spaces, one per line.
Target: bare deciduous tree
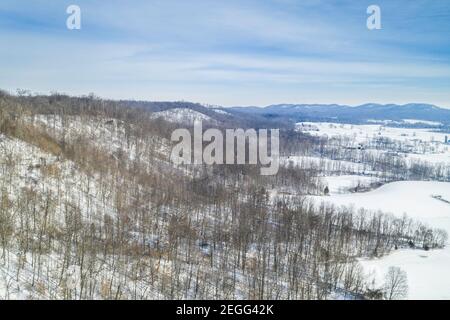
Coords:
pixel 396 284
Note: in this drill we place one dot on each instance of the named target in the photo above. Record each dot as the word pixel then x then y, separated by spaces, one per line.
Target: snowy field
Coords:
pixel 423 145
pixel 345 183
pixel 428 271
pixel 364 132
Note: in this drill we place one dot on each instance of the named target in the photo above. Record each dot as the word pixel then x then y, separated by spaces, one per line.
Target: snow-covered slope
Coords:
pixel 344 183
pixel 422 145
pixel 364 132
pixel 424 201
pixel 182 116
pixel 36 181
pixel 412 197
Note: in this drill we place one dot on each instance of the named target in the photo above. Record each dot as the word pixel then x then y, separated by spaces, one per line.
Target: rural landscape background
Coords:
pixel 93 207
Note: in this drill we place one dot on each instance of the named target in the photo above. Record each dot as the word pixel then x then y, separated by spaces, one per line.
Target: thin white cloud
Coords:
pixel 225 52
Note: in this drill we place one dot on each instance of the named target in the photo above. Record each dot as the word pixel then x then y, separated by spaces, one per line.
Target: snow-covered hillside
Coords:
pixel 362 133
pixel 182 116
pixel 91 207
pixel 348 183
pixel 424 201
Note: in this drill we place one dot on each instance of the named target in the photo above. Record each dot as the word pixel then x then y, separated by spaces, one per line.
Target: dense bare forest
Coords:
pixel 92 208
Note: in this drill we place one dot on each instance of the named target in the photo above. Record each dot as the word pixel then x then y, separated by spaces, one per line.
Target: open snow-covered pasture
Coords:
pixel 428 271
pixel 424 145
pixel 364 132
pixel 345 183
pixel 415 198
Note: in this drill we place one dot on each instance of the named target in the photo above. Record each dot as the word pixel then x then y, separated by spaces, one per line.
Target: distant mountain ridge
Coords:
pixel 280 115
pixel 344 113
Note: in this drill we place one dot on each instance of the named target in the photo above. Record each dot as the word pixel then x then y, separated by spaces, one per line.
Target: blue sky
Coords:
pixel 234 52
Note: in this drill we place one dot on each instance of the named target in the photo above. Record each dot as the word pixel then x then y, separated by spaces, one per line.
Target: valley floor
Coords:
pixel 427 271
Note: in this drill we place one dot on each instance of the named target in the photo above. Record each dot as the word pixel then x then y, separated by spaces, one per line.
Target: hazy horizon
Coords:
pixel 216 105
